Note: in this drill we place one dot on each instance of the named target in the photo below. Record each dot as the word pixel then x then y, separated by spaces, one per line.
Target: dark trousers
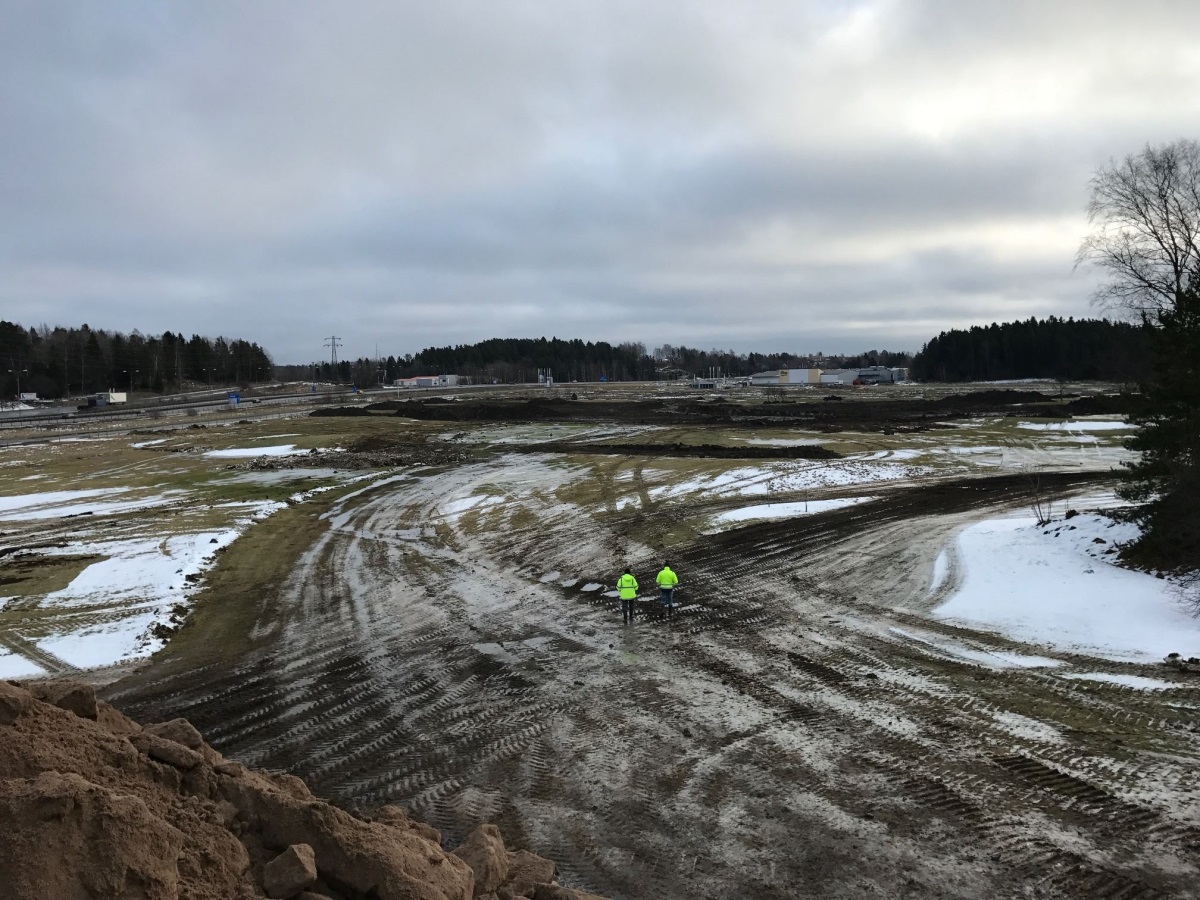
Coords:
pixel 666 596
pixel 627 608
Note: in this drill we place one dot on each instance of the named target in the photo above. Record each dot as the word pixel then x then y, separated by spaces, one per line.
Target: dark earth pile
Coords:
pixel 861 412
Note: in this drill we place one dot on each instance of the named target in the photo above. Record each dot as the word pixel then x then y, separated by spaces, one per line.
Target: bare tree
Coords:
pixel 1187 587
pixel 1041 504
pixel 1145 211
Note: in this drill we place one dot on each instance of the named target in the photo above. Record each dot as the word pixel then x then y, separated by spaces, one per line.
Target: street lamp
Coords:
pixel 131 373
pixel 17 373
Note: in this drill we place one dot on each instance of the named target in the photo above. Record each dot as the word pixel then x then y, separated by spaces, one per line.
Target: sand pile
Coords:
pixel 93 805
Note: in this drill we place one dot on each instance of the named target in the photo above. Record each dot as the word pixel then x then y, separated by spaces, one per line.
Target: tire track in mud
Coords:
pixel 977 799
pixel 938 796
pixel 722 708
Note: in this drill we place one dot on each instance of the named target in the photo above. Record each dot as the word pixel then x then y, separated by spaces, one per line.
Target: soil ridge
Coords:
pixel 94 805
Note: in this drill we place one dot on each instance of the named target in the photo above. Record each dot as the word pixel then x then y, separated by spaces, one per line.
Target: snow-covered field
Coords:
pixel 1075 425
pixel 1056 586
pixel 785 510
pixel 67 504
pixel 103 541
pixel 787 477
pixel 107 611
pixel 251 452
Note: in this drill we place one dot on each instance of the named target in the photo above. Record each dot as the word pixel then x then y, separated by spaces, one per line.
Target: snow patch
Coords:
pixel 454 510
pixel 13 666
pixel 1133 681
pixel 103 645
pixel 791 476
pixel 787 510
pixel 941 570
pixel 251 452
pixel 1074 426
pixel 992 659
pixel 783 442
pixel 53 498
pixel 1025 727
pixel 1055 586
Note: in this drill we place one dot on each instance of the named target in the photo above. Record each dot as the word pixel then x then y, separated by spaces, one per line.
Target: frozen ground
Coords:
pixel 807 726
pixel 451 644
pixel 250 452
pixel 70 504
pixel 91 569
pixel 1057 586
pixel 106 614
pixel 785 510
pixel 1076 425
pixel 789 477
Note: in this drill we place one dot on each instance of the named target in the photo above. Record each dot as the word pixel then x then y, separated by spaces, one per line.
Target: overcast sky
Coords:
pixel 787 175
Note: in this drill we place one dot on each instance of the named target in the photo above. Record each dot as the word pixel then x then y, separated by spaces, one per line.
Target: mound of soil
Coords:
pixel 93 805
pixel 992 398
pixel 372 452
pixel 1107 405
pixel 862 412
pixel 339 411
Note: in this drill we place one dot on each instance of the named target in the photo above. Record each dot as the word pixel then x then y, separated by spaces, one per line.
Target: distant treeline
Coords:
pixel 518 360
pixel 1085 349
pixel 59 362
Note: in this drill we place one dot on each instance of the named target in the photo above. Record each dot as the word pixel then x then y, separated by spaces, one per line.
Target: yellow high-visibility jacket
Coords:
pixel 628 587
pixel 666 578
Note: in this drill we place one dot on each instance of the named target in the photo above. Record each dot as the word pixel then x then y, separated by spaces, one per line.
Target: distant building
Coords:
pixel 799 376
pixel 839 376
pixel 429 381
pixel 882 375
pixel 786 377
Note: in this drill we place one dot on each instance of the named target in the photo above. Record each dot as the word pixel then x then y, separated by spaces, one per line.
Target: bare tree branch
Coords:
pixel 1145 211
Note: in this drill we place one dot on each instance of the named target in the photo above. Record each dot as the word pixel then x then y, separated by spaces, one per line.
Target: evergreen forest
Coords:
pixel 63 362
pixel 518 360
pixel 1065 349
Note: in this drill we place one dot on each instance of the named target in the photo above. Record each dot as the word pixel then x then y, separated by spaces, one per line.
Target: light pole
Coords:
pixel 17 373
pixel 131 373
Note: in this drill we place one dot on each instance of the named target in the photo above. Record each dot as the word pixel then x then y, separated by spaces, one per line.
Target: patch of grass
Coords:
pixel 241 590
pixel 34 575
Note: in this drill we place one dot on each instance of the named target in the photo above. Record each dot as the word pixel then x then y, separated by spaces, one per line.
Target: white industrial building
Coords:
pixel 839 376
pixel 786 377
pixel 427 381
pixel 867 375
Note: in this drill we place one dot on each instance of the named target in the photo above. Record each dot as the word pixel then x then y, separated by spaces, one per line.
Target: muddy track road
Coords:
pixel 780 738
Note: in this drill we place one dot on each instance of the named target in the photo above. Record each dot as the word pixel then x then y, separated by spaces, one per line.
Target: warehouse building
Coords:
pixel 779 377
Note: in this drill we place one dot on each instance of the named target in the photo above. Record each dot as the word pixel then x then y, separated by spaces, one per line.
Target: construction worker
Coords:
pixel 627 587
pixel 667 582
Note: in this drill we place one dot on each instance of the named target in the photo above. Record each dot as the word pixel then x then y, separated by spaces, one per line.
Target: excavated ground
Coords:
pixel 820 410
pixel 778 739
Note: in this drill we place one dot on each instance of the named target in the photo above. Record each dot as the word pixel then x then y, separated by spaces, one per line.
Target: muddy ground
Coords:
pixel 778 739
pixel 833 409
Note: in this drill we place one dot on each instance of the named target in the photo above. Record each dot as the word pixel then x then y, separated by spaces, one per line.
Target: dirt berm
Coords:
pixel 93 805
pixel 860 411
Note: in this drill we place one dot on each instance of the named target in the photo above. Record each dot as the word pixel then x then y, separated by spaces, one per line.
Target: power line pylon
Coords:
pixel 333 343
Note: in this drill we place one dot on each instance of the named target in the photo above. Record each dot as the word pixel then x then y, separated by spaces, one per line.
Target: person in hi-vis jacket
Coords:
pixel 627 588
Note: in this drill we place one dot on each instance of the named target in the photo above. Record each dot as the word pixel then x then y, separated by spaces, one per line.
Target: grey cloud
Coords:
pixel 682 172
